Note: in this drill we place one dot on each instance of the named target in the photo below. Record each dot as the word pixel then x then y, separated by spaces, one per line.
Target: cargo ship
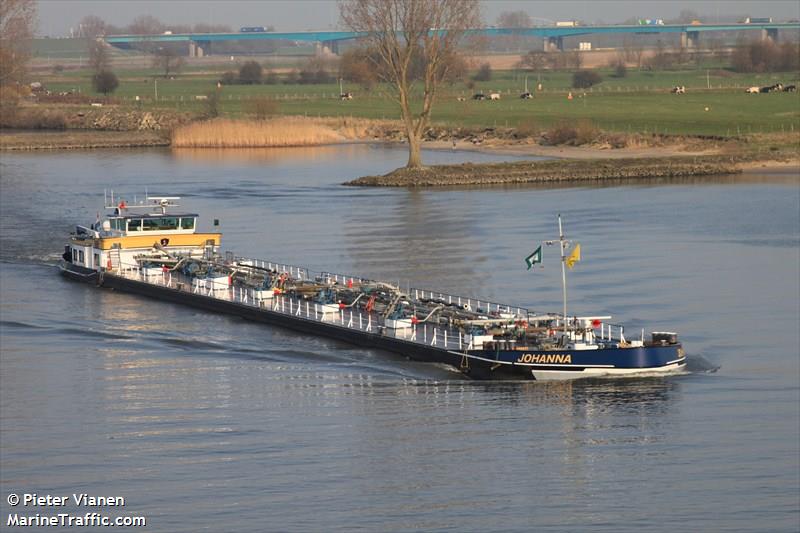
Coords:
pixel 149 248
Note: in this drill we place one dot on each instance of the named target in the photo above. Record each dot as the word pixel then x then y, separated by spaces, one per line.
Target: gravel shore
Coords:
pixel 552 171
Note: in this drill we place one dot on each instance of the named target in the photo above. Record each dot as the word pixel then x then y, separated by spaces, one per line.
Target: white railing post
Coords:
pixel 433 342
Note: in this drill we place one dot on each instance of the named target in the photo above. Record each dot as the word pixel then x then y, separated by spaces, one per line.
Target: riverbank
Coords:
pixel 582 153
pixel 552 171
pixel 79 140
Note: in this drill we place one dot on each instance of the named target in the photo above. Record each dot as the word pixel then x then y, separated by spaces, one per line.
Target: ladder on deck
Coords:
pixel 116 261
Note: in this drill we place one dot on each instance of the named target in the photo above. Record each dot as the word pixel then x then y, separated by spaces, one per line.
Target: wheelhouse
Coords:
pixel 134 224
pixel 131 232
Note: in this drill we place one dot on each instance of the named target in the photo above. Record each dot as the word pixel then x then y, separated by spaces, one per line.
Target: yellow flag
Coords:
pixel 575 256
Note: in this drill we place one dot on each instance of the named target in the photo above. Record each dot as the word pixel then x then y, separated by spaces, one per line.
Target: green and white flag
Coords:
pixel 535 257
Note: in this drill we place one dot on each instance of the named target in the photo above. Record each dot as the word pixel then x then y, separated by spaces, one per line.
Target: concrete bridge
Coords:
pixel 200 43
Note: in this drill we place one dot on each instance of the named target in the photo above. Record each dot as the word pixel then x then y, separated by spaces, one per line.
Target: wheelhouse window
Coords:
pixel 162 223
pixel 118 224
pixel 135 224
pixel 187 223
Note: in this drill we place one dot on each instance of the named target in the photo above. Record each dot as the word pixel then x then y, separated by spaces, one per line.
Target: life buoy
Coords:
pixel 108 264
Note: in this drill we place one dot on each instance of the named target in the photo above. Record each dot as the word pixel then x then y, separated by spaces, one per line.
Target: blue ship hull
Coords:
pixel 569 364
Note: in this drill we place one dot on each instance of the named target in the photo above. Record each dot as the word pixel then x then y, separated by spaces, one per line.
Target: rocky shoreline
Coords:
pixel 79 140
pixel 551 171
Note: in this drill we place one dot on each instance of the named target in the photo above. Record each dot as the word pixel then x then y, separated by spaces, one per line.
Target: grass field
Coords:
pixel 640 102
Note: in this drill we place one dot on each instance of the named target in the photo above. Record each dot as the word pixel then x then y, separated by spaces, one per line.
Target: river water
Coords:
pixel 209 423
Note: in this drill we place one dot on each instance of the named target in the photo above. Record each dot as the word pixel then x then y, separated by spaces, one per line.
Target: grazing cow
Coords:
pixel 494 96
pixel 772 88
pixel 346 96
pixel 461 99
pixel 526 96
pixel 790 89
pixel 752 90
pixel 479 96
pixel 680 89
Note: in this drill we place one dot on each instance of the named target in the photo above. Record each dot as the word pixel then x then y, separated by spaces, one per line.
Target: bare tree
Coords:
pixel 167 59
pixel 91 26
pixel 685 17
pixel 145 25
pixel 514 19
pixel 632 52
pixel 355 67
pixel 533 61
pixel 211 28
pixel 17 21
pixel 99 56
pixel 574 59
pixel 402 31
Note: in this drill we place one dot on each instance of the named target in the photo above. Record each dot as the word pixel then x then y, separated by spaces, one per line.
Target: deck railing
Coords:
pixel 354 318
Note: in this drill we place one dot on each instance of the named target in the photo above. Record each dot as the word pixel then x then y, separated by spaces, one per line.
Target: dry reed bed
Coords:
pixel 277 132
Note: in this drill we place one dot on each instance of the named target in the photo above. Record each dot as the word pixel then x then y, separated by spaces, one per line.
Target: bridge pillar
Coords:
pixel 333 46
pixel 195 50
pixel 553 44
pixel 689 39
pixel 769 34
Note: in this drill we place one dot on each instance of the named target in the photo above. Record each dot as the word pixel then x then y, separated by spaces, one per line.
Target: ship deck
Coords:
pixel 437 336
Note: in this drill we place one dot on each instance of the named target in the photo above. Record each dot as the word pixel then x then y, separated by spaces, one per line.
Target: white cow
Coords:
pixel 494 96
pixel 752 90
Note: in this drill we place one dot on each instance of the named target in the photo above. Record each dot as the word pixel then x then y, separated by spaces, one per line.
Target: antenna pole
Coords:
pixel 563 244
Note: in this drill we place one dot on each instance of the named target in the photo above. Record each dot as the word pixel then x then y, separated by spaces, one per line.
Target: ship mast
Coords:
pixel 563 244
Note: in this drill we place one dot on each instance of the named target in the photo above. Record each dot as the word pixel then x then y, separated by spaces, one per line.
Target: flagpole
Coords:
pixel 563 271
